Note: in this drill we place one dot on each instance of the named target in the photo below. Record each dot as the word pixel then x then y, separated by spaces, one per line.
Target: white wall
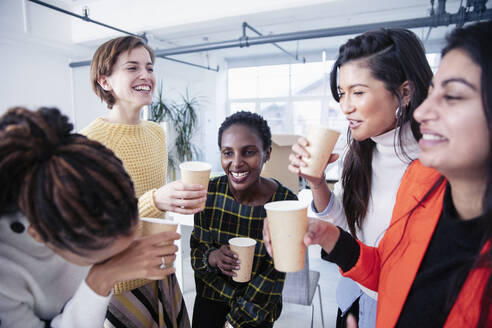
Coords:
pixel 35 53
pixel 36 48
pixel 209 87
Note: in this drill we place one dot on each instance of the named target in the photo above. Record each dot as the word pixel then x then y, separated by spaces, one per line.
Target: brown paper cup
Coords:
pixel 195 173
pixel 287 222
pixel 245 249
pixel 321 143
pixel 152 226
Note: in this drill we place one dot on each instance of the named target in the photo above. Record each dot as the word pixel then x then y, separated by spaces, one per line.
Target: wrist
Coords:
pixel 210 260
pixel 155 198
pixel 317 184
pixel 99 280
pixel 331 237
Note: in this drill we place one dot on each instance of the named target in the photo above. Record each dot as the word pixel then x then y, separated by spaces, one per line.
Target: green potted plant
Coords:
pixel 182 123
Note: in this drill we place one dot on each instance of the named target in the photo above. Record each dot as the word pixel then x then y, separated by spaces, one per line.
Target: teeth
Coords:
pixel 142 87
pixel 428 136
pixel 239 174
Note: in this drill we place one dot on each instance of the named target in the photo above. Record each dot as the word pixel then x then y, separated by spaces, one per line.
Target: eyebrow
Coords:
pixel 136 63
pixel 458 80
pixel 356 85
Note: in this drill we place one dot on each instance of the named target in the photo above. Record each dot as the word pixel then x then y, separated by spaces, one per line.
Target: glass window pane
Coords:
pixel 306 113
pixel 239 106
pixel 433 60
pixel 273 81
pixel 308 79
pixel 243 82
pixel 275 114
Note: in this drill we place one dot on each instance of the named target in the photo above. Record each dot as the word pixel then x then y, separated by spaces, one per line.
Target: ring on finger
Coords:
pixel 163 263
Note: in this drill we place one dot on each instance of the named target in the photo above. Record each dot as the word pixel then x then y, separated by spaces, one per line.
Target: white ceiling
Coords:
pixel 295 16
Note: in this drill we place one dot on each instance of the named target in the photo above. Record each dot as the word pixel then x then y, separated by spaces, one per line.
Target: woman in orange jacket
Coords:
pixel 432 268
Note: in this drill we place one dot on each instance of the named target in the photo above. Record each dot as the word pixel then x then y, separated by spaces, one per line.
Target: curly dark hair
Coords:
pixel 252 120
pixel 393 56
pixel 74 191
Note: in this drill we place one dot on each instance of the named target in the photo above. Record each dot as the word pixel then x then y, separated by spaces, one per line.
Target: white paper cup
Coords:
pixel 321 143
pixel 244 247
pixel 287 222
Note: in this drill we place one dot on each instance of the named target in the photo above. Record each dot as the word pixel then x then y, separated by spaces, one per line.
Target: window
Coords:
pixel 291 97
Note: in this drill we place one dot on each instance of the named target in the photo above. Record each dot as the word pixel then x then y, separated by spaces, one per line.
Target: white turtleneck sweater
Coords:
pixel 387 171
pixel 37 285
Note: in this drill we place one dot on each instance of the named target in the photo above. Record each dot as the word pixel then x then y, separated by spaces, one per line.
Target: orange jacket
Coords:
pixel 390 268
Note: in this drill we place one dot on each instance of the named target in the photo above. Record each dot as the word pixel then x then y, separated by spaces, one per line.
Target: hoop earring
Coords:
pixel 397 112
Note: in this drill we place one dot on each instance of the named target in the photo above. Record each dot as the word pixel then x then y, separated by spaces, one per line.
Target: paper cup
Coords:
pixel 245 249
pixel 321 143
pixel 287 222
pixel 152 226
pixel 195 173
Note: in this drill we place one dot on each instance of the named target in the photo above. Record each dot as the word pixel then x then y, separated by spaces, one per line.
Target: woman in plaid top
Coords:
pixel 234 208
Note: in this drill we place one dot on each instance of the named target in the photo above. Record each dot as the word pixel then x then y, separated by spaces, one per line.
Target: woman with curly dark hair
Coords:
pixel 68 217
pixel 234 208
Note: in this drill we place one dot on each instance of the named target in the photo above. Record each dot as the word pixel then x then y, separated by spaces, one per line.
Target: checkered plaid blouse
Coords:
pixel 259 300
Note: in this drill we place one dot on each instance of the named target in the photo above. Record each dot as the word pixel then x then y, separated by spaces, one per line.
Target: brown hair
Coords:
pixel 74 191
pixel 105 57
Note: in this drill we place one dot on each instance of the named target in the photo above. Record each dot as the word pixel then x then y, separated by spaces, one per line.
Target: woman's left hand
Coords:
pixel 321 233
pixel 226 260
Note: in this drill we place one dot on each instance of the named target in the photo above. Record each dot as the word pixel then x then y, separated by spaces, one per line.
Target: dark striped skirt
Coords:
pixel 159 304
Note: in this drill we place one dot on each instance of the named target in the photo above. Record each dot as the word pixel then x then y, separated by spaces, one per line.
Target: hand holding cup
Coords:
pixel 244 248
pixel 180 197
pixel 311 154
pixel 226 260
pixel 142 259
pixel 321 233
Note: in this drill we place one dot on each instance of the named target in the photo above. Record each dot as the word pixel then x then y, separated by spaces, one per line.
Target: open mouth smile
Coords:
pixel 354 123
pixel 239 177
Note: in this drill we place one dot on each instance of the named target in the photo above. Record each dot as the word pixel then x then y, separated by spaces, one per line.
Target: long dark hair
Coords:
pixel 393 56
pixel 74 191
pixel 475 41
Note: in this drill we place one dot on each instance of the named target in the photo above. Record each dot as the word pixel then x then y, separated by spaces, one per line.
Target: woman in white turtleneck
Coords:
pixel 379 78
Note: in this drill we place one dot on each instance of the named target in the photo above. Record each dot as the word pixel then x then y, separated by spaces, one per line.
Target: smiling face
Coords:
pixel 455 137
pixel 132 79
pixel 242 156
pixel 368 106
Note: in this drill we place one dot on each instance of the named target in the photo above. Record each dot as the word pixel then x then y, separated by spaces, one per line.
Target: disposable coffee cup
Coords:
pixel 321 143
pixel 152 226
pixel 245 249
pixel 287 222
pixel 195 173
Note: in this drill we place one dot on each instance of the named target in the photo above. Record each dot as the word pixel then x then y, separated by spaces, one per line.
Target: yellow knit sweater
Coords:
pixel 142 149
